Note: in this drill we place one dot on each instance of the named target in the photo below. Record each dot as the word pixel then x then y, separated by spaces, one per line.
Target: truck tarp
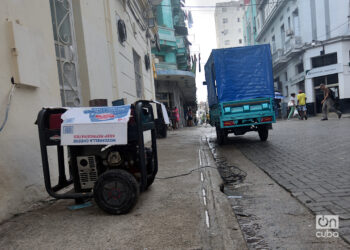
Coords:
pixel 239 73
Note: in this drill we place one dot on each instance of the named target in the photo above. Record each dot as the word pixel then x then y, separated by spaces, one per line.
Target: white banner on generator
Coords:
pixel 95 126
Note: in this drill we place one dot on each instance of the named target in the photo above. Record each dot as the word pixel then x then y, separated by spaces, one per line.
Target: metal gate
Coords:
pixel 66 52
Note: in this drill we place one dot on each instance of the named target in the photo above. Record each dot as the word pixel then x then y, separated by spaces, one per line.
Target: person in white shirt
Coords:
pixel 291 105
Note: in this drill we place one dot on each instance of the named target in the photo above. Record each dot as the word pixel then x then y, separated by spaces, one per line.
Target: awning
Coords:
pixel 185 79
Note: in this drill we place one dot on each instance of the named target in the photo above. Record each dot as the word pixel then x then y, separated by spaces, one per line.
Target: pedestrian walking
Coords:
pixel 302 104
pixel 328 102
pixel 291 105
pixel 189 117
pixel 176 118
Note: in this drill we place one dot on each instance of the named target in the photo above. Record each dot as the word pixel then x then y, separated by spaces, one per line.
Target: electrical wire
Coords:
pixel 191 7
pixel 335 28
pixel 8 107
pixel 181 175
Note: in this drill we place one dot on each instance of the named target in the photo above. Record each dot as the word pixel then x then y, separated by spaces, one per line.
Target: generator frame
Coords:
pixel 144 118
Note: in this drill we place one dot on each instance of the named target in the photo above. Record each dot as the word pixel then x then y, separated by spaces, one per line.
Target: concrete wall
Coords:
pixel 21 180
pixel 338 13
pixel 231 31
pixel 342 48
pixel 316 22
pixel 107 65
pixel 106 70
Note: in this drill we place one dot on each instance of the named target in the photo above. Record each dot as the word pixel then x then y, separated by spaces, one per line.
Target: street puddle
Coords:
pixel 233 178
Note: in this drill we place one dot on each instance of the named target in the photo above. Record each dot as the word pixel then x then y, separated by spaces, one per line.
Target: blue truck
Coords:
pixel 240 91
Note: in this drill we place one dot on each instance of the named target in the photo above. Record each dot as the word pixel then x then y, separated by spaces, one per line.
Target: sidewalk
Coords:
pixel 170 215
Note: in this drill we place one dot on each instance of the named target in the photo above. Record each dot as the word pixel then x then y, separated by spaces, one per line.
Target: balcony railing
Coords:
pixel 277 55
pixel 167 35
pixel 293 43
pixel 166 66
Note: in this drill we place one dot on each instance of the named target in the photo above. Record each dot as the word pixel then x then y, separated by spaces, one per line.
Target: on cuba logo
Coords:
pixel 105 117
pixel 100 114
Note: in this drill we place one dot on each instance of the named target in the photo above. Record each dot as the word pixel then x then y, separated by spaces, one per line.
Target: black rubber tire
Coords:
pixel 163 131
pixel 120 202
pixel 220 136
pixel 263 133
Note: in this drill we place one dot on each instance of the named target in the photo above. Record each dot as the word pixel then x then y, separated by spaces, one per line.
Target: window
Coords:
pixel 273 44
pixel 301 86
pixel 324 60
pixel 283 36
pixel 224 9
pixel 161 58
pixel 299 68
pixel 224 20
pixel 227 42
pixel 240 41
pixel 286 76
pixel 289 27
pixel 238 20
pixel 330 79
pixel 138 75
pixel 286 94
pixel 225 32
pixel 296 24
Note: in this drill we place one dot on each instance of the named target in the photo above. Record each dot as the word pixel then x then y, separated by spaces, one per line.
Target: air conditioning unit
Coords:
pixel 289 32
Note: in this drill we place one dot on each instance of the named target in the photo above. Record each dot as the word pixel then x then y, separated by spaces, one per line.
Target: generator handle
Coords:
pixel 145 124
pixel 62 180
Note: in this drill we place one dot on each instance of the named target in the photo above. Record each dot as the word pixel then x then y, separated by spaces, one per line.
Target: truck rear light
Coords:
pixel 266 119
pixel 229 123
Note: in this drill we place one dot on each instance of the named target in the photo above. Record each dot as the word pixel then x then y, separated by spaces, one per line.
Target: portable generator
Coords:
pixel 110 166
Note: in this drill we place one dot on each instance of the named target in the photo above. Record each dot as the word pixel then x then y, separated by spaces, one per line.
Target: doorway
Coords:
pixel 332 82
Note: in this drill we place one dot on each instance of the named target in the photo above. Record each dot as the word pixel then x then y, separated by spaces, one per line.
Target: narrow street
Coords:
pixel 186 209
pixel 310 159
pixel 185 212
pixel 271 214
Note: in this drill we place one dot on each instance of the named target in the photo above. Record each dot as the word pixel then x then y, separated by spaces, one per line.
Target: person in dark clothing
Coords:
pixel 328 103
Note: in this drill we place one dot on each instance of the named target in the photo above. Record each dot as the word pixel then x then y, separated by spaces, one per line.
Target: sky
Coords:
pixel 202 35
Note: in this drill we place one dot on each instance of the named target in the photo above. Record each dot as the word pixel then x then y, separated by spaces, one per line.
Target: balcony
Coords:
pixel 266 23
pixel 166 66
pixel 167 36
pixel 293 44
pixel 277 55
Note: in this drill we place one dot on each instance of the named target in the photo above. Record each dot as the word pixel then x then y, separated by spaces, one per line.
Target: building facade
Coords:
pixel 175 69
pixel 229 24
pixel 250 23
pixel 310 45
pixel 66 54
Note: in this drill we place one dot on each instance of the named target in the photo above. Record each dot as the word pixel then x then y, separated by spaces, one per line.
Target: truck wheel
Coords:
pixel 116 191
pixel 263 133
pixel 220 136
pixel 163 132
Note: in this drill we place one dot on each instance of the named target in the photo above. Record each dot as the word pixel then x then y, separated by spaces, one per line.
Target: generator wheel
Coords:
pixel 263 133
pixel 116 191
